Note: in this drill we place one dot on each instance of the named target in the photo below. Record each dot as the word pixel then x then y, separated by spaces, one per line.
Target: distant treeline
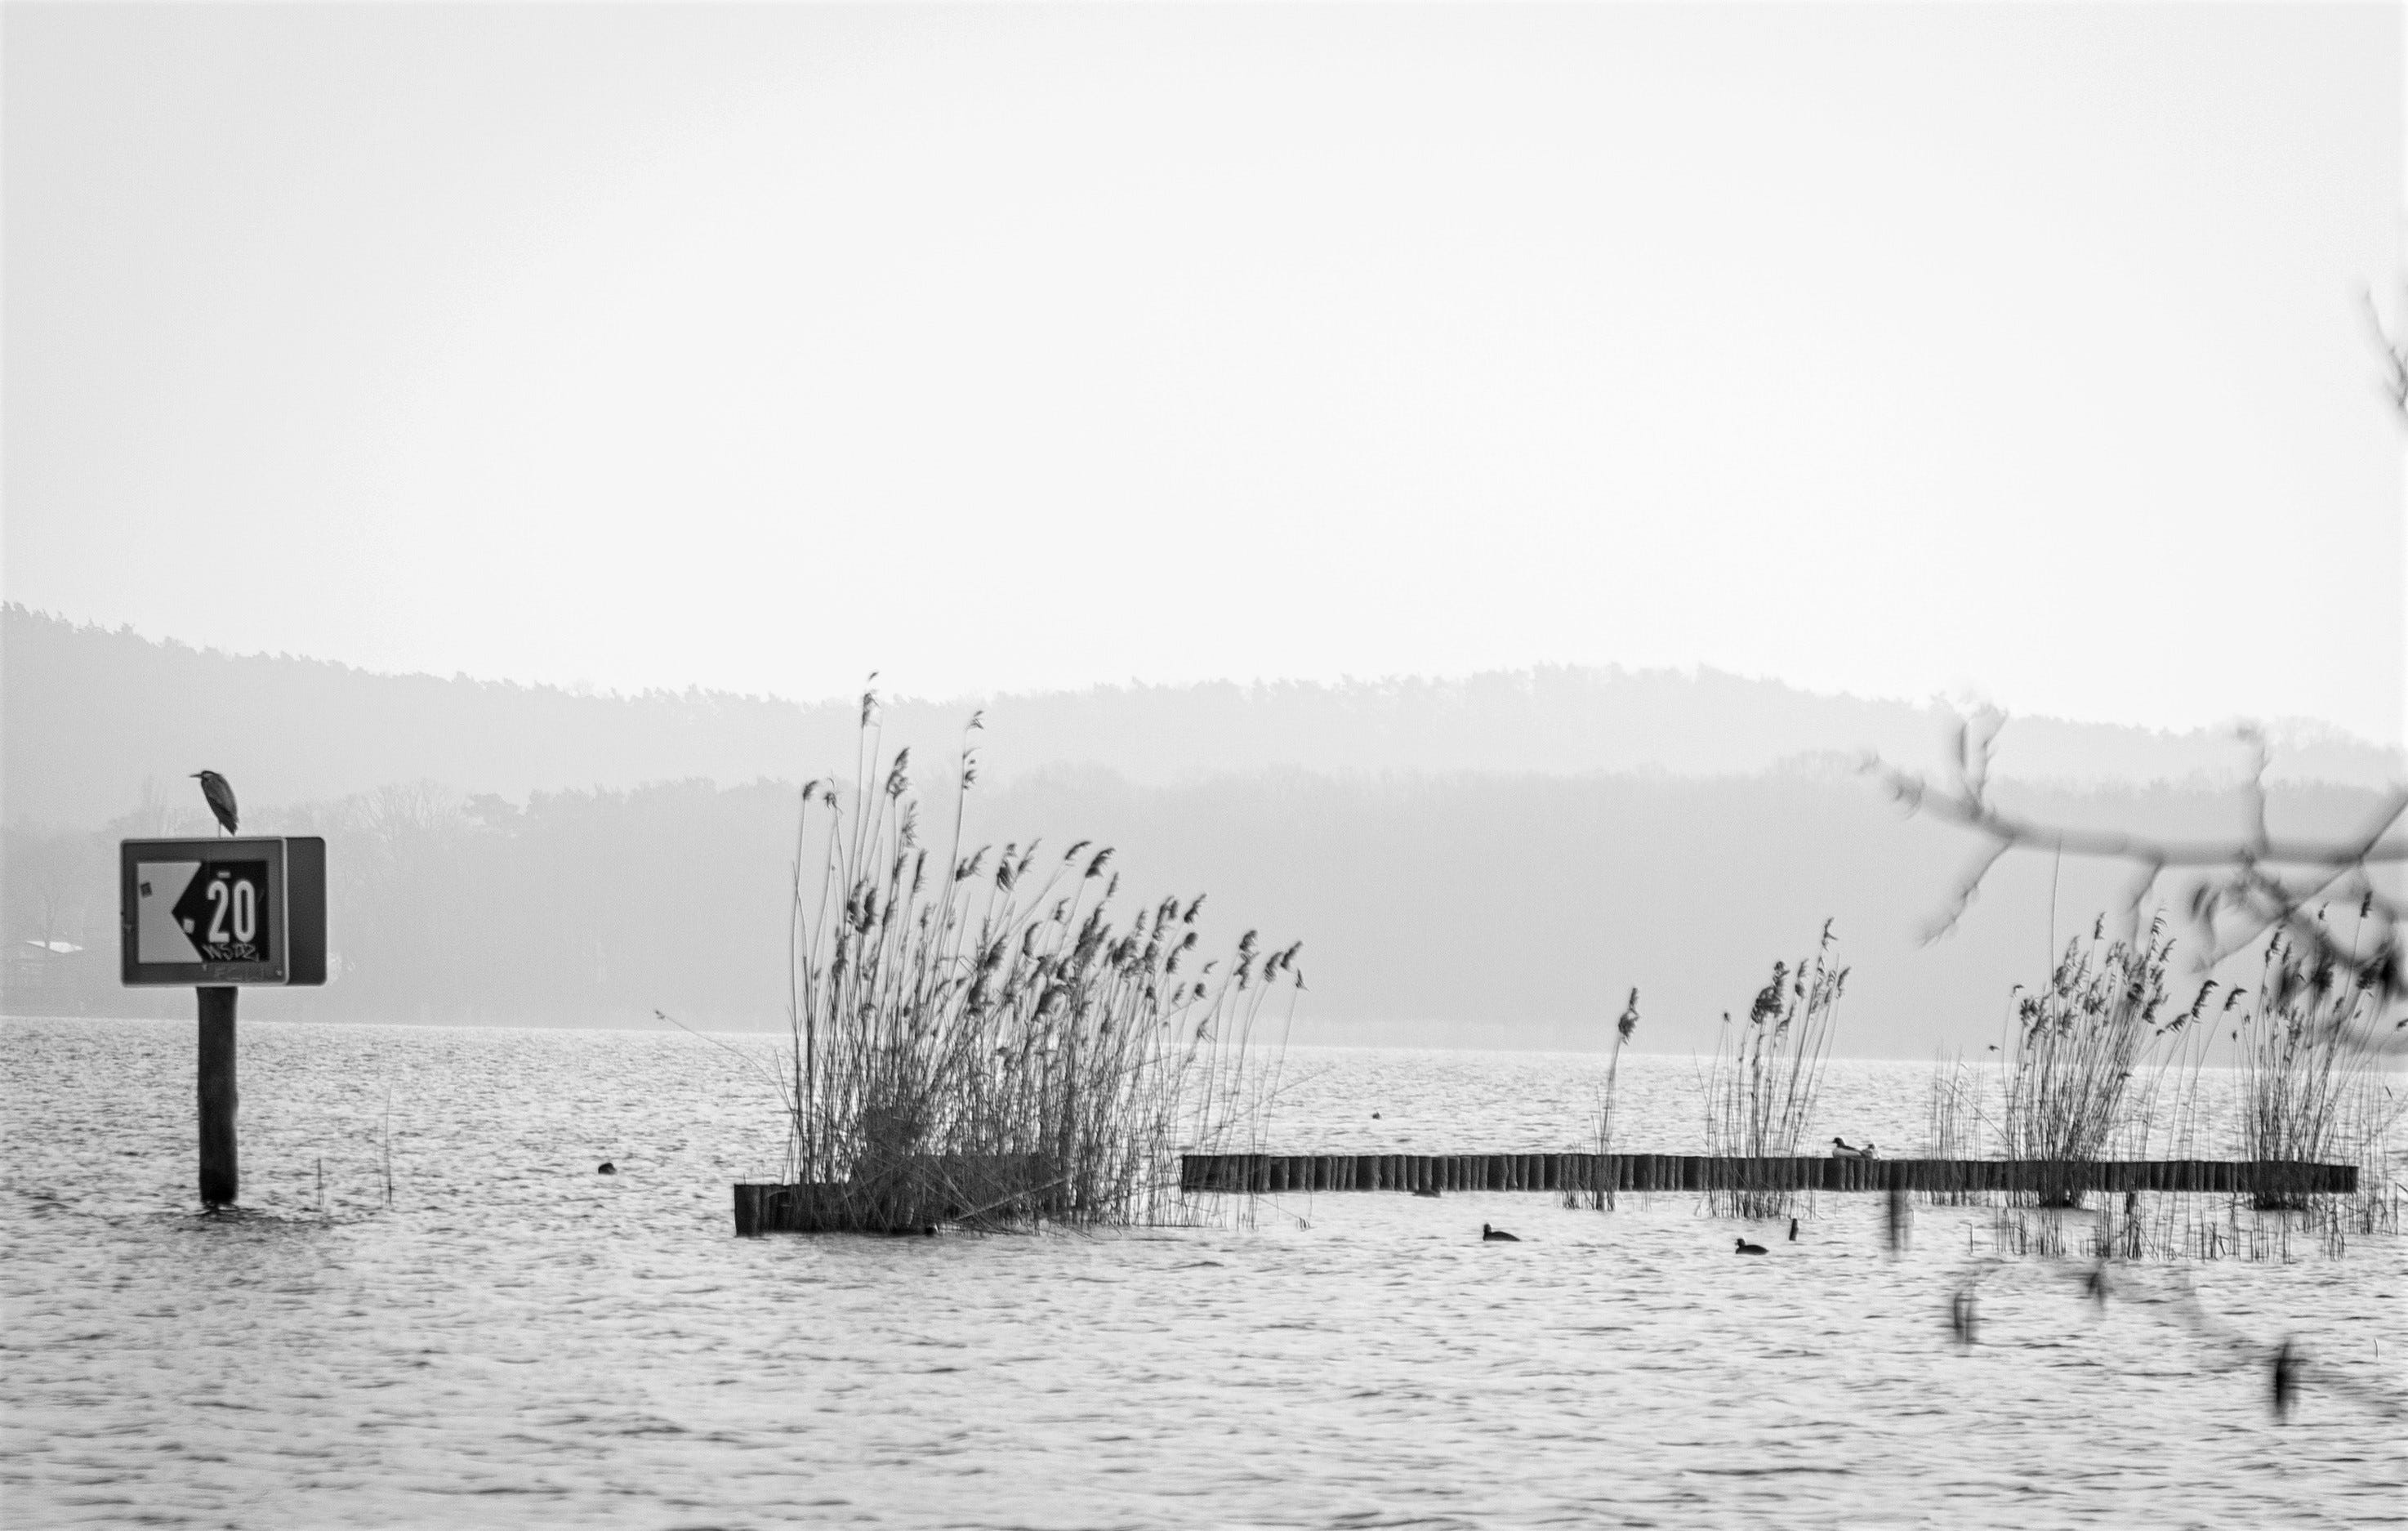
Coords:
pixel 88 716
pixel 1457 909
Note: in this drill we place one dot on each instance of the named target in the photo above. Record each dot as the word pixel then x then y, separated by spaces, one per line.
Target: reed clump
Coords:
pixel 1952 1119
pixel 2077 1046
pixel 1767 1073
pixel 981 1037
pixel 2308 1089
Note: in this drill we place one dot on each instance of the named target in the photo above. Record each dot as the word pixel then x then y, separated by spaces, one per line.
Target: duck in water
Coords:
pixel 1839 1149
pixel 1746 1248
pixel 606 1168
pixel 1496 1236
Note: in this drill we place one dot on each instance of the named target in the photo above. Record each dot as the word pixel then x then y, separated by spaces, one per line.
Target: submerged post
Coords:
pixel 220 1171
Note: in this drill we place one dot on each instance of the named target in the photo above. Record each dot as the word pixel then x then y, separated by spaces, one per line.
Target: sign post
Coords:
pixel 221 1168
pixel 218 914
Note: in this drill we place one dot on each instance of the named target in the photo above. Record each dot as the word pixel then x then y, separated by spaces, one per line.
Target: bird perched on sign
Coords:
pixel 220 796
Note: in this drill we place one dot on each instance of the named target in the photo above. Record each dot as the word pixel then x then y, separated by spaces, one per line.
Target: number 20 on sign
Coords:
pixel 210 912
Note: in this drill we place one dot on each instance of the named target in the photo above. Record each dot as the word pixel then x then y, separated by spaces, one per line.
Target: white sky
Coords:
pixel 2007 349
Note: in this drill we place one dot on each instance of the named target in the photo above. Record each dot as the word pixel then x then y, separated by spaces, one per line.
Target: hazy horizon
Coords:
pixel 2282 729
pixel 1485 865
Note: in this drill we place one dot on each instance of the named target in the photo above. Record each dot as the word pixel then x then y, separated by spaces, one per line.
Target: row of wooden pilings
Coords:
pixel 1276 1174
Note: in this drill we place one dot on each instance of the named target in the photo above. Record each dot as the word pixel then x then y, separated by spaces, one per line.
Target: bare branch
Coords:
pixel 1962 807
pixel 1968 887
pixel 2243 877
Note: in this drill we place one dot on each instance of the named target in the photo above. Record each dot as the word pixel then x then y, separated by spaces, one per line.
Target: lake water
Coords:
pixel 518 1341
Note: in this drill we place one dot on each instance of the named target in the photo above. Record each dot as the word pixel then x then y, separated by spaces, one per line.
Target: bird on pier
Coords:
pixel 1496 1236
pixel 220 796
pixel 1746 1248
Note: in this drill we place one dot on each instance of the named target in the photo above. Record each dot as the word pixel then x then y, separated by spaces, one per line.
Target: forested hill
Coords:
pixel 87 716
pixel 1449 911
pixel 511 854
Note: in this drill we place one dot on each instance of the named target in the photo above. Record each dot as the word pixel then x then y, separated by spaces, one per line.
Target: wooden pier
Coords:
pixel 1278 1174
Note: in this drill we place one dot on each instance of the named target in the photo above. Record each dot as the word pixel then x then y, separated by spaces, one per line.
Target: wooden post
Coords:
pixel 220 1176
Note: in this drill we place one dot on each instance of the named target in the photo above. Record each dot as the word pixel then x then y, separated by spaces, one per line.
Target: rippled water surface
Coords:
pixel 518 1341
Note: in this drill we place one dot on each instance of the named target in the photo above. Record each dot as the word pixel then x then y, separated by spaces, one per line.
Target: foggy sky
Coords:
pixel 2010 350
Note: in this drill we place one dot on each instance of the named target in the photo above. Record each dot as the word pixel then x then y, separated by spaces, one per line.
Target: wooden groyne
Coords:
pixel 1274 1174
pixel 910 1195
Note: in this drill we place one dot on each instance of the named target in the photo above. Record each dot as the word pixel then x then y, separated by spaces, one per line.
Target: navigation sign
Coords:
pixel 208 913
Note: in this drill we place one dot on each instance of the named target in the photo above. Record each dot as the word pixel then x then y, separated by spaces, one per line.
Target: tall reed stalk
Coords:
pixel 980 1037
pixel 1766 1076
pixel 1601 1195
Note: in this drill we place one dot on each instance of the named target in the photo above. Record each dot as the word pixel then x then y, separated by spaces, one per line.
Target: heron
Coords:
pixel 220 796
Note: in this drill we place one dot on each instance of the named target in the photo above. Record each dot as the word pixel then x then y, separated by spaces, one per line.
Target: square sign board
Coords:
pixel 221 912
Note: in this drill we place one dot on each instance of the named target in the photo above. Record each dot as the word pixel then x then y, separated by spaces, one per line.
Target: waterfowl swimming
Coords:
pixel 1746 1248
pixel 1793 1230
pixel 1839 1149
pixel 1497 1235
pixel 606 1168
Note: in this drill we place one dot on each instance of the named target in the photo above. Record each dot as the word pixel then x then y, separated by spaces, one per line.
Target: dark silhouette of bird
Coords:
pixel 1793 1230
pixel 1746 1248
pixel 1496 1236
pixel 220 796
pixel 606 1168
pixel 1839 1149
pixel 2287 1379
